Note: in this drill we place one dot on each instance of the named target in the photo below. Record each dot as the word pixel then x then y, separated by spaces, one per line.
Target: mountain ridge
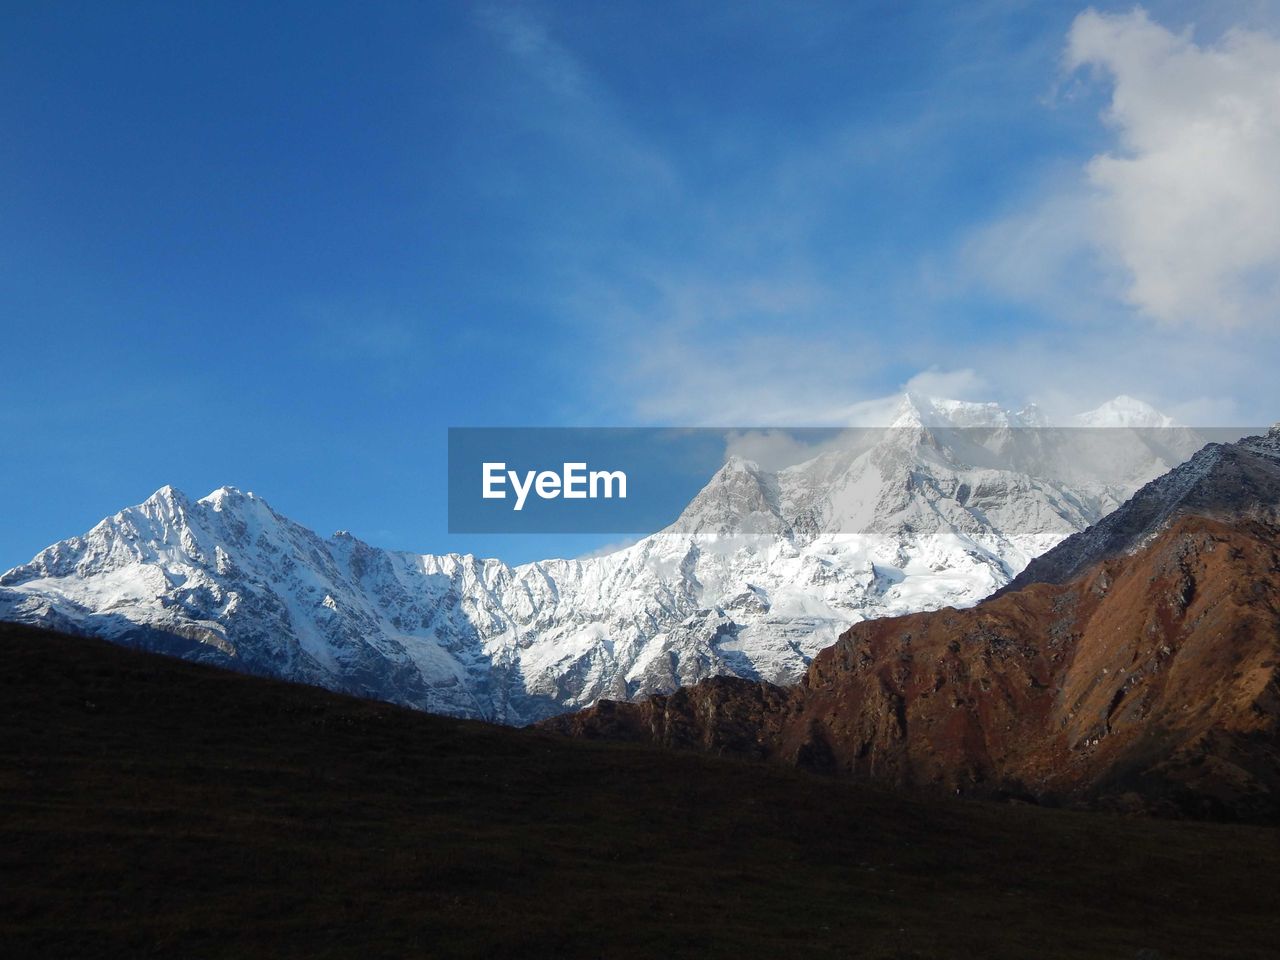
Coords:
pixel 1218 479
pixel 1147 680
pixel 762 570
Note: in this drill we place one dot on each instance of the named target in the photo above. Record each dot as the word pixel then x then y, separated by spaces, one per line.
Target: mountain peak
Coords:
pixel 240 501
pixel 737 464
pixel 1125 411
pixel 224 495
pixel 922 410
pixel 739 498
pixel 168 494
pixel 914 410
pixel 168 501
pixel 1033 416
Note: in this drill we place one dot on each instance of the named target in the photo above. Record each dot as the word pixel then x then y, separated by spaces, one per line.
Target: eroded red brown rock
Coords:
pixel 1148 683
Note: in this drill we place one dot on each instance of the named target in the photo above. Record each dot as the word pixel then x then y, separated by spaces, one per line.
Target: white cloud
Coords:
pixel 965 384
pixel 771 449
pixel 1154 267
pixel 1179 221
pixel 1044 255
pixel 753 378
pixel 1161 253
pixel 1189 200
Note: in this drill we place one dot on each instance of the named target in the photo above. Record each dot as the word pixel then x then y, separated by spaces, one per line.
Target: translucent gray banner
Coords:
pixel 737 480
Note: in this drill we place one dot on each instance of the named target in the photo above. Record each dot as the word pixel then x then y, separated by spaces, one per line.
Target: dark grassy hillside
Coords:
pixel 152 807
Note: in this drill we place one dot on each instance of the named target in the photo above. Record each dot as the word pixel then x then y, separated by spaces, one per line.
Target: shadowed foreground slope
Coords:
pixel 154 807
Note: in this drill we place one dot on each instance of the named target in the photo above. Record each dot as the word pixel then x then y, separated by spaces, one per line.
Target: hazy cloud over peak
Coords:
pixel 965 384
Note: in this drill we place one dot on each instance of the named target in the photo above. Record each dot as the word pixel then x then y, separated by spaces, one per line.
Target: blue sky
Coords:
pixel 286 246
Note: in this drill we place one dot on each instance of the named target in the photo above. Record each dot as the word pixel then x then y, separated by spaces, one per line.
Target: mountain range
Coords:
pixel 762 570
pixel 1135 666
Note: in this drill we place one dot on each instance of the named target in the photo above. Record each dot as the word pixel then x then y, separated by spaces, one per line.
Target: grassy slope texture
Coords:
pixel 152 807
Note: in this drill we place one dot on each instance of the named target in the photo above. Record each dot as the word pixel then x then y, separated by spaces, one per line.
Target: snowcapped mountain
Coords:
pixel 762 570
pixel 1125 411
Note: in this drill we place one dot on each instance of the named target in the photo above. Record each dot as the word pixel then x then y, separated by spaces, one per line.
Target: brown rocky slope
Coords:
pixel 1146 681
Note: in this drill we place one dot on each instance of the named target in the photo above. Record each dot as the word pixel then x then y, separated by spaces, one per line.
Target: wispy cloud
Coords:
pixel 757 297
pixel 569 101
pixel 527 38
pixel 962 384
pixel 711 299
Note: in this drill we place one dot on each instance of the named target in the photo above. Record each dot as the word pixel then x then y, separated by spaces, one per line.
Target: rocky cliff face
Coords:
pixel 1146 681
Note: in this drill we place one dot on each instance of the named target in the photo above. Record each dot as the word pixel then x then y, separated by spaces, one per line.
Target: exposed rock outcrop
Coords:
pixel 1146 681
